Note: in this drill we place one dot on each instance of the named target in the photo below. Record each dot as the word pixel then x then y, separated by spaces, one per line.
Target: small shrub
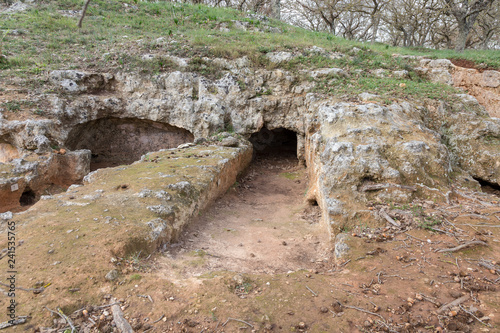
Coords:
pixel 135 277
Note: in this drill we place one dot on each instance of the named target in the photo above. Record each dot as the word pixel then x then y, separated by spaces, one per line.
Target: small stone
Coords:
pixel 112 275
pixel 302 325
pixel 283 243
pixel 229 142
pixel 323 309
pixel 239 279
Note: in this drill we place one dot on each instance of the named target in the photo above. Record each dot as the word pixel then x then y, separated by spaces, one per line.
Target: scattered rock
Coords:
pixel 112 275
pixel 367 97
pixel 229 142
pixel 279 57
pixel 239 279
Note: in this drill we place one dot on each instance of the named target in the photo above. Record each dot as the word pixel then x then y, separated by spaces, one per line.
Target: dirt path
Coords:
pixel 262 225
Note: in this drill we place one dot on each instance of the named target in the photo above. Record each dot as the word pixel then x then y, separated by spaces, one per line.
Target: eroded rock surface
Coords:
pixel 483 85
pixel 409 150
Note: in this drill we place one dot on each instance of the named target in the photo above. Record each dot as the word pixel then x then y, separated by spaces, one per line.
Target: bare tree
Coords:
pixel 373 9
pixel 488 26
pixel 465 13
pixel 443 33
pixel 328 11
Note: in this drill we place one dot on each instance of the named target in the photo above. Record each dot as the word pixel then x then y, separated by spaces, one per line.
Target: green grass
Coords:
pixel 11 106
pixel 135 277
pixel 116 34
pixel 390 89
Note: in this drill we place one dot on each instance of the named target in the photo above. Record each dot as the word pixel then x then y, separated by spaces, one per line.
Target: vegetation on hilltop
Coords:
pixel 117 34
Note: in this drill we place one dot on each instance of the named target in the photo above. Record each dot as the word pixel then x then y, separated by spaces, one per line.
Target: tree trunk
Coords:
pixel 375 23
pixel 463 33
pixel 83 13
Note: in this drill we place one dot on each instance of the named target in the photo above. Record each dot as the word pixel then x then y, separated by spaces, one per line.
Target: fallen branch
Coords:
pixel 473 199
pixel 470 313
pixel 456 302
pixel 20 320
pixel 345 263
pixel 430 299
pixel 64 317
pixel 363 310
pixel 389 219
pixel 157 320
pixel 315 295
pixel 475 215
pixel 489 266
pixel 98 307
pixel 239 320
pixel 121 323
pixel 39 290
pixel 463 246
pixel 73 328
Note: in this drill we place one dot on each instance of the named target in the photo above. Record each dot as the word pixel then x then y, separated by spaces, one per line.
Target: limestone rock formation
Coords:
pixel 410 150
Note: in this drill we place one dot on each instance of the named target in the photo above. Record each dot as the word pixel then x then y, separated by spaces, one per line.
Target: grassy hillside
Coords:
pixel 116 34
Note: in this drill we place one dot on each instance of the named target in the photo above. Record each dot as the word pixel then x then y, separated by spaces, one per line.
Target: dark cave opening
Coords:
pixel 488 187
pixel 312 202
pixel 28 197
pixel 277 142
pixel 118 141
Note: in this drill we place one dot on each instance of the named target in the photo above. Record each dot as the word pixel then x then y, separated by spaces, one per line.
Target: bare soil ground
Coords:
pixel 258 261
pixel 262 225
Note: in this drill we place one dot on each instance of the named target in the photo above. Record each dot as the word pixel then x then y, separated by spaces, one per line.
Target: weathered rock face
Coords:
pixel 72 81
pixel 408 150
pixel 360 145
pixel 483 85
pixel 439 70
pixel 115 141
pixel 474 139
pixel 26 179
pixel 153 198
pixel 8 152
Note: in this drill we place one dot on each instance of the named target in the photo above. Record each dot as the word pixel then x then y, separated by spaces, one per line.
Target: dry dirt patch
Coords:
pixel 259 226
pixel 394 280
